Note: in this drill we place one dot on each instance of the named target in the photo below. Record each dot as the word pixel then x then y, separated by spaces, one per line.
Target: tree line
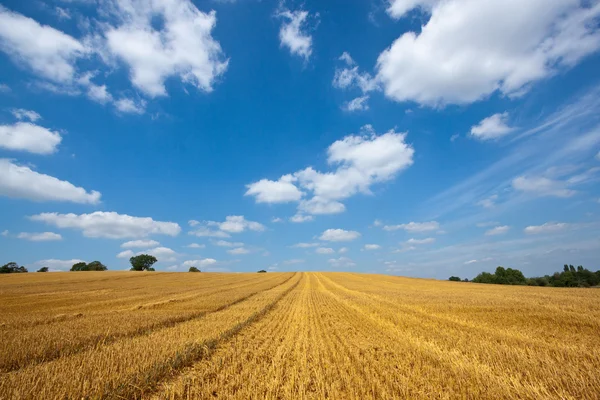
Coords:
pixel 142 262
pixel 568 277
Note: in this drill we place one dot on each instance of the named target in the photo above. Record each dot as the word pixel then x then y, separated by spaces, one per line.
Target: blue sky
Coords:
pixel 423 138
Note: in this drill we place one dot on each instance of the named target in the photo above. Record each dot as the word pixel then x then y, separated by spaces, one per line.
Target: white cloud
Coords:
pixel 196 246
pixel 299 218
pixel 39 237
pixel 342 262
pixel 372 247
pixel 324 250
pixel 377 223
pixel 193 222
pixel 305 245
pixel 62 13
pixel 414 226
pixel 548 227
pixel 57 265
pixel 5 232
pixel 129 106
pixel 139 243
pixel 48 52
pixel 225 243
pixel 22 182
pixel 126 254
pixel 413 241
pixel 470 262
pixel 360 161
pixel 276 220
pixel 348 77
pixel 542 186
pixel 237 224
pixel 357 104
pixel 488 202
pixel 343 250
pixel 110 225
pixel 199 263
pixel 293 33
pixel 499 230
pixel 238 251
pixel 347 58
pixel 164 254
pixel 206 232
pixel 24 136
pixel 454 137
pixel 492 127
pixel 339 235
pixel 280 191
pixel 183 47
pixel 22 114
pixel 100 94
pixel 470 48
pixel 4 88
pixel 320 205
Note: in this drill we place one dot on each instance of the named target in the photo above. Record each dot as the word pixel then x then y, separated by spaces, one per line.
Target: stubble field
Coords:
pixel 126 335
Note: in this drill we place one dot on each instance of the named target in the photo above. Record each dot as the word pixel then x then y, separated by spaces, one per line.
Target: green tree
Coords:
pixel 96 266
pixel 194 269
pixel 43 269
pixel 454 279
pixel 12 268
pixel 80 266
pixel 143 262
pixel 262 271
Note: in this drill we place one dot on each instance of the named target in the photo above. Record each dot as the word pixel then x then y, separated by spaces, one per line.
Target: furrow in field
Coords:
pixel 495 368
pixel 40 344
pixel 129 368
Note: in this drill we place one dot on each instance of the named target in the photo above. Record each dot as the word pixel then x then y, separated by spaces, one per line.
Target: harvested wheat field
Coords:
pixel 126 335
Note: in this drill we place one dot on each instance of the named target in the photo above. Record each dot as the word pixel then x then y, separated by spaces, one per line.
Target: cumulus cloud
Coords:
pixel 139 243
pixel 305 245
pixel 492 127
pixel 469 49
pixel 414 227
pixel 22 114
pixel 129 106
pixel 548 227
pixel 196 246
pixel 360 161
pixel 324 250
pixel 293 33
pixel 339 235
pixel 44 50
pixel 280 191
pixel 276 220
pixel 109 225
pixel 542 186
pixel 225 243
pixel 23 183
pixel 126 254
pixel 182 47
pixel 39 237
pixel 343 250
pixel 237 224
pixel 372 247
pixel 299 218
pixel 232 224
pixel 164 254
pixel 499 230
pixel 357 104
pixel 25 136
pixel 239 251
pixel 342 262
pixel 413 241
